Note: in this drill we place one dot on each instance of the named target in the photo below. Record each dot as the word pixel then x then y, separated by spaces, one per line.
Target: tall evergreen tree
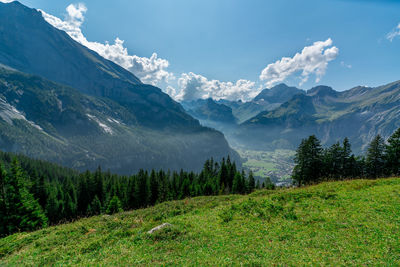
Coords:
pixel 94 207
pixel 308 161
pixel 153 188
pixel 393 154
pixel 252 181
pixel 237 183
pixel 375 157
pixel 347 162
pixel 22 211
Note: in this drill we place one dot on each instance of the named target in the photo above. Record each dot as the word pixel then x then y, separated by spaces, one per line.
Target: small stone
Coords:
pixel 157 228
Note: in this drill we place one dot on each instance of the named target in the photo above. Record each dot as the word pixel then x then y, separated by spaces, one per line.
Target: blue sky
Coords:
pixel 228 40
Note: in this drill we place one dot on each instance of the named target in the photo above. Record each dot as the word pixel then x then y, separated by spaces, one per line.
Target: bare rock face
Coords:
pixel 158 228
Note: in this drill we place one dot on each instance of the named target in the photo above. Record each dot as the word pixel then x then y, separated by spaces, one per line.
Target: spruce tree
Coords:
pixel 22 211
pixel 114 205
pixel 375 157
pixel 223 175
pixel 153 187
pixel 393 154
pixel 52 208
pixel 308 160
pixel 236 184
pixel 347 161
pixel 94 207
pixel 252 182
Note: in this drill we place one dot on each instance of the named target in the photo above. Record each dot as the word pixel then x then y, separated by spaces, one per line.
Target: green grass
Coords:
pixel 337 223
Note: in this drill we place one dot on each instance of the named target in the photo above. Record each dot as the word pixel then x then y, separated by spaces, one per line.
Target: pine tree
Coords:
pixel 252 182
pixel 308 160
pixel 94 207
pixel 334 161
pixel 52 208
pixel 236 184
pixel 22 211
pixel 153 187
pixel 375 157
pixel 114 205
pixel 39 188
pixel 223 174
pixel 393 154
pixel 347 161
pixel 3 202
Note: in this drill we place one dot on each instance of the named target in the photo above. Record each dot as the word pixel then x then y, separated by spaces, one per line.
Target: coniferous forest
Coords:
pixel 35 194
pixel 315 163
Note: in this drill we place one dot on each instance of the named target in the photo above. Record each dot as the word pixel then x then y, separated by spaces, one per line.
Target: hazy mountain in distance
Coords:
pixel 359 114
pixel 208 109
pixel 267 99
pixel 278 94
pixel 68 104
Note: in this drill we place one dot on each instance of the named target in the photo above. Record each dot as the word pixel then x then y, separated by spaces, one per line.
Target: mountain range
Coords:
pixel 62 102
pixel 286 114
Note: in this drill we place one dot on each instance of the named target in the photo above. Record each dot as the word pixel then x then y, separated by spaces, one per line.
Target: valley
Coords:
pixel 277 165
pixel 199 133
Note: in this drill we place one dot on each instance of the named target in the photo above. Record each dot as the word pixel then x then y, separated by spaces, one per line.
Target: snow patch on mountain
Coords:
pixel 9 113
pixel 106 128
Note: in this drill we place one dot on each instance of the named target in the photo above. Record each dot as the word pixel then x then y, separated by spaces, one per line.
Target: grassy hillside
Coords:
pixel 338 223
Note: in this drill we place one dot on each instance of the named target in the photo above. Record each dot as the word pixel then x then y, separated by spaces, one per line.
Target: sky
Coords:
pixel 232 49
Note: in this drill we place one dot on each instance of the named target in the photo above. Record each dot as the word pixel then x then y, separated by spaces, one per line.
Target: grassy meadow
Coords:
pixel 353 222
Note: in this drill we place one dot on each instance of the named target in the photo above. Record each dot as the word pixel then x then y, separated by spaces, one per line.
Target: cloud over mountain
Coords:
pixel 193 86
pixel 150 70
pixel 312 60
pixel 154 70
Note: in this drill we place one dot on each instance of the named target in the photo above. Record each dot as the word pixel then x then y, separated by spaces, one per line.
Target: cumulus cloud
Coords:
pixel 6 1
pixel 150 70
pixel 193 86
pixel 393 34
pixel 312 60
pixel 154 70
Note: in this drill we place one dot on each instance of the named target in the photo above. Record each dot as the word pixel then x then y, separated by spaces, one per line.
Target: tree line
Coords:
pixel 313 163
pixel 35 194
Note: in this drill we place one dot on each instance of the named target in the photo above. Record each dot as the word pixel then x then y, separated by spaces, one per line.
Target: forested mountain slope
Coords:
pixel 87 111
pixel 46 120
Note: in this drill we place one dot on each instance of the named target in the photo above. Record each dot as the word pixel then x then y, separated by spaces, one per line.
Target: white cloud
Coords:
pixel 150 70
pixel 153 70
pixel 193 86
pixel 312 60
pixel 6 1
pixel 343 64
pixel 393 34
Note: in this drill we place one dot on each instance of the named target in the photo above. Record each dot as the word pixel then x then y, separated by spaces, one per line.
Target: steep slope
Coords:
pixel 29 44
pixel 359 113
pixel 58 123
pixel 348 223
pixel 110 117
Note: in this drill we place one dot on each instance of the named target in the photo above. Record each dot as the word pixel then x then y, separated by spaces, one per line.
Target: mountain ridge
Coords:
pixel 63 102
pixel 356 113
